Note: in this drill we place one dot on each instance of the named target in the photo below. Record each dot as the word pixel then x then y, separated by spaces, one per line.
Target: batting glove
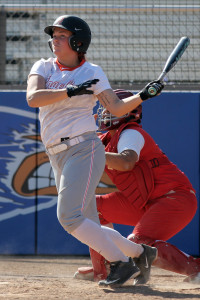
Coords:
pixel 80 89
pixel 151 90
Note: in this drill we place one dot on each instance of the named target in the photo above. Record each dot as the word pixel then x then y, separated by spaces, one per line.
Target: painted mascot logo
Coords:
pixel 26 174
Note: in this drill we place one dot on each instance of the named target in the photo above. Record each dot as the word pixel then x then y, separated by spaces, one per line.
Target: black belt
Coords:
pixel 64 139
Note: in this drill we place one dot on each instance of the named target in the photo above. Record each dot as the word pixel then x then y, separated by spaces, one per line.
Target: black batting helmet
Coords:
pixel 80 40
pixel 107 121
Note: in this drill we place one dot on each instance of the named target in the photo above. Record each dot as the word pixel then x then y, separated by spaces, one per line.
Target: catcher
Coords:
pixel 153 195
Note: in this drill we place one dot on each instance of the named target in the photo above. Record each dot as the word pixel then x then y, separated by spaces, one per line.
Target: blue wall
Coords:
pixel 173 121
pixel 28 222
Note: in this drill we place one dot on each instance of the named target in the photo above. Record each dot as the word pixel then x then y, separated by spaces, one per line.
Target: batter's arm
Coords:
pixel 124 161
pixel 37 95
pixel 116 106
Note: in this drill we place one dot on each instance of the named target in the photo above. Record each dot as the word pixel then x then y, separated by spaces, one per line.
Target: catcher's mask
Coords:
pixel 80 40
pixel 107 121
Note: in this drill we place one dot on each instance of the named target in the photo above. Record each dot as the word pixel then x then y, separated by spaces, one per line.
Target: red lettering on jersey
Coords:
pixel 56 85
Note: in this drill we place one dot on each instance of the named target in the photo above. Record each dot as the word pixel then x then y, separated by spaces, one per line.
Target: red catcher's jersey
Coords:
pixel 166 175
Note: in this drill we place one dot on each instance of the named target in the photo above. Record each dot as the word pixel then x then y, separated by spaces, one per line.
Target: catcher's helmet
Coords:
pixel 80 40
pixel 107 121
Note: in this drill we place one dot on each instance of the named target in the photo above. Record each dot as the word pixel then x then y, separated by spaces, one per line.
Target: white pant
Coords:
pixel 77 172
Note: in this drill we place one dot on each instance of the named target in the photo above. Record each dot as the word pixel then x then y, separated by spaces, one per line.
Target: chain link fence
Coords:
pixel 131 40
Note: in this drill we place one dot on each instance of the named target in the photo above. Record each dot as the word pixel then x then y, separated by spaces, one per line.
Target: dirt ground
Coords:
pixel 44 278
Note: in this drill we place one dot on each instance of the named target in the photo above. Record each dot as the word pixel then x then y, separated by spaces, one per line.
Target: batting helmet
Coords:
pixel 80 40
pixel 107 121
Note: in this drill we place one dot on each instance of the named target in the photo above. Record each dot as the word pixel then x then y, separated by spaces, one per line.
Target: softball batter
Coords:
pixel 66 89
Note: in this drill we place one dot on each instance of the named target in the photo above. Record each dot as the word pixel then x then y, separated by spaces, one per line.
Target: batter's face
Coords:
pixel 60 41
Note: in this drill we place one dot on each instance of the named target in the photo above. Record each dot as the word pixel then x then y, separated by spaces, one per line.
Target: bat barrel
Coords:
pixel 175 56
pixel 171 62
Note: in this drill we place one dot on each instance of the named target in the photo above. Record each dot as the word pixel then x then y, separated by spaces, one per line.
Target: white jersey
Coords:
pixel 72 116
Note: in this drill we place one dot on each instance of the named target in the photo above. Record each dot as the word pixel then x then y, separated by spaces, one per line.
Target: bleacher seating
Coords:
pixel 131 45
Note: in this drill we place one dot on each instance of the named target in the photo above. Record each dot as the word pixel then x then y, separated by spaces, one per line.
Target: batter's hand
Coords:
pixel 151 90
pixel 80 89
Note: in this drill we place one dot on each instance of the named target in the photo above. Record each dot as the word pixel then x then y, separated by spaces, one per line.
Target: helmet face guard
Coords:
pixel 80 40
pixel 107 121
